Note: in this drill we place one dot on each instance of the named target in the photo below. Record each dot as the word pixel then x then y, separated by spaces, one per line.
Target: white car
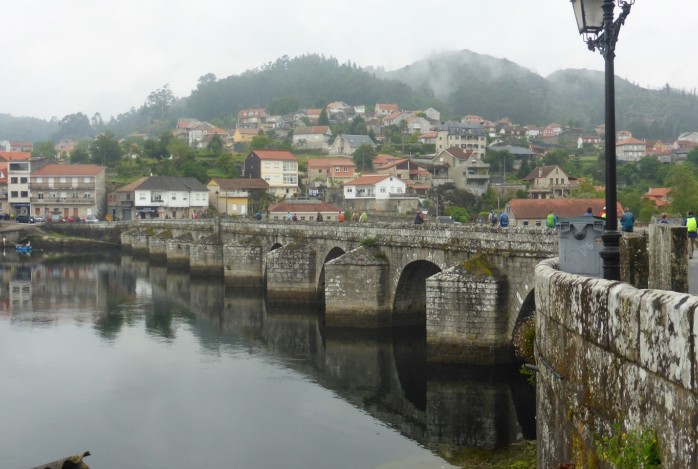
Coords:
pixel 91 219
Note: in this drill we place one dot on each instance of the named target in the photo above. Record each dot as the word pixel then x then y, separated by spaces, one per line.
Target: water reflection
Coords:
pixel 383 373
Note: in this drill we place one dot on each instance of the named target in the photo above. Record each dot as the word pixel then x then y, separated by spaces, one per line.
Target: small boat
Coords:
pixel 23 248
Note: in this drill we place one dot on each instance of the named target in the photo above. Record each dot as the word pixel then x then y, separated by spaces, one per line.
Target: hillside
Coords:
pixel 456 83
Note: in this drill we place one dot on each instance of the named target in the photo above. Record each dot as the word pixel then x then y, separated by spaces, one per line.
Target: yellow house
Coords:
pixel 234 196
pixel 243 135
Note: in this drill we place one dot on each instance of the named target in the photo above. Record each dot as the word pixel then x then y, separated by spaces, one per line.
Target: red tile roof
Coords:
pixel 313 130
pixel 274 155
pixel 327 162
pixel 69 170
pixel 563 208
pixel 304 207
pixel 15 155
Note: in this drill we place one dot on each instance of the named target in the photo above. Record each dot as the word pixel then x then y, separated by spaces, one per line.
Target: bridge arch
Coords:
pixel 410 300
pixel 333 253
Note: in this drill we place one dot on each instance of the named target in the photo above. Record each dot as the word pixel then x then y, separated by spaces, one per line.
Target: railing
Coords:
pixel 63 200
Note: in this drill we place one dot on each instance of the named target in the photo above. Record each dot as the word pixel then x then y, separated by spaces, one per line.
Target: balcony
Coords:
pixel 66 186
pixel 63 201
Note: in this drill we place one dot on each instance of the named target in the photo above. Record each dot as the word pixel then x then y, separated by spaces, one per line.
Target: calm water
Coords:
pixel 152 369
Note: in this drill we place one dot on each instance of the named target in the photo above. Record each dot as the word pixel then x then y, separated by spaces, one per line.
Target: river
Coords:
pixel 149 368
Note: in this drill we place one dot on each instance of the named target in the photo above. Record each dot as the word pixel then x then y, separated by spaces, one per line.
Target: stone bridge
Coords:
pixel 469 285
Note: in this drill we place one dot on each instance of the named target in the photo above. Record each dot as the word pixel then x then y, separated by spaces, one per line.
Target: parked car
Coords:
pixel 4 216
pixel 24 219
pixel 91 219
pixel 38 219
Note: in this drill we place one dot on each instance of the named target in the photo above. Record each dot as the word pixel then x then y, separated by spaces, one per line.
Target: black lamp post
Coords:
pixel 600 32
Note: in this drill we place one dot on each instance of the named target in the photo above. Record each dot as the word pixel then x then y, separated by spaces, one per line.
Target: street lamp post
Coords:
pixel 600 32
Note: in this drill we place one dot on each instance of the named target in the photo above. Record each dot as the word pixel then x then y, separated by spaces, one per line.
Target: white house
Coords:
pixel 169 196
pixel 374 186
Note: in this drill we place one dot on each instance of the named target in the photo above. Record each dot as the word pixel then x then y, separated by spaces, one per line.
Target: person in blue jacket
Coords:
pixel 503 219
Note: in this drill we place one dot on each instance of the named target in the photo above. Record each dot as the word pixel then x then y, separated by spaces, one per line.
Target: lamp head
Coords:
pixel 590 14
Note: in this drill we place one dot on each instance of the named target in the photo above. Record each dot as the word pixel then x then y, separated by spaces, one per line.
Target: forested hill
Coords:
pixel 472 83
pixel 456 83
pixel 312 81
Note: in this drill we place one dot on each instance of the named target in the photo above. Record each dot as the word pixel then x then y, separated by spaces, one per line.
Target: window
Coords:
pixel 23 180
pixel 13 180
pixel 13 194
pixel 52 195
pixel 525 223
pixel 40 195
pixel 174 196
pixel 349 190
pixel 382 190
pixel 336 170
pixel 86 195
pixel 87 180
pixel 142 196
pixel 346 169
pixel 74 195
pixel 537 222
pixel 39 180
pixel 63 180
pixel 24 194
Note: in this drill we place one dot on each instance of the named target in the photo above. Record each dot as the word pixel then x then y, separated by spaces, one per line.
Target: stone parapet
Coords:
pixel 610 353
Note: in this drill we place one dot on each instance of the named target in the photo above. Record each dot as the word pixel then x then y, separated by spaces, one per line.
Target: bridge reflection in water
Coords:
pixel 385 373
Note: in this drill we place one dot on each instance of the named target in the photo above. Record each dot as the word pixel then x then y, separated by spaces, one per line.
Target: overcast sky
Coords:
pixel 68 56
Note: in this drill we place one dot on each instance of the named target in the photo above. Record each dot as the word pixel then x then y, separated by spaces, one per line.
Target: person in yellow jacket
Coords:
pixel 692 228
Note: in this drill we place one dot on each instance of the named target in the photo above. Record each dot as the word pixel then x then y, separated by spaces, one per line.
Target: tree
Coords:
pixel 323 119
pixel 191 168
pixel 205 80
pixel 160 100
pixel 81 153
pixel 684 190
pixel 44 149
pixel 286 105
pixel 363 157
pixel 75 126
pixel 215 146
pixel 260 141
pixel 105 149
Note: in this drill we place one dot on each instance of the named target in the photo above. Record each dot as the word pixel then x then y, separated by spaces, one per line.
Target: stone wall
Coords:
pixel 610 353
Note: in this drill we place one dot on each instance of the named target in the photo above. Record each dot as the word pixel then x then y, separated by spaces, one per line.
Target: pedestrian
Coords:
pixel 492 218
pixel 627 221
pixel 355 216
pixel 363 218
pixel 257 216
pixel 692 228
pixel 294 217
pixel 340 217
pixel 589 212
pixel 503 220
pixel 551 220
pixel 603 213
pixel 318 217
pixel 419 218
pixel 289 217
pixel 665 219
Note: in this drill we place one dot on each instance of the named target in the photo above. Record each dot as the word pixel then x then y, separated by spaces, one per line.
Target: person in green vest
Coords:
pixel 363 218
pixel 551 220
pixel 692 228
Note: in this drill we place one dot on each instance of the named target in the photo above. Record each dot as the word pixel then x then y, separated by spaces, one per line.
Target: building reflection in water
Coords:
pixel 382 372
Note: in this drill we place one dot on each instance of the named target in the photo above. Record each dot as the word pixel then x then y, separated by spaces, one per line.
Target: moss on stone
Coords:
pixel 479 266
